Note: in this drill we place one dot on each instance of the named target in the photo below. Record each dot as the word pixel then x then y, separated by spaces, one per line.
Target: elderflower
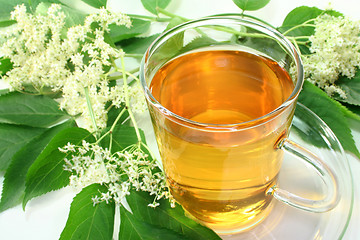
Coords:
pixel 335 48
pixel 131 168
pixel 77 64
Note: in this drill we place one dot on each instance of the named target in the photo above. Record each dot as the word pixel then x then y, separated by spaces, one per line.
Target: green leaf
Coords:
pixel 6 23
pixel 175 43
pixel 172 46
pixel 330 111
pixel 174 22
pixel 263 45
pixel 300 15
pixel 8 6
pixel 137 45
pixel 12 139
pixel 351 88
pixel 5 66
pixel 199 42
pixel 73 16
pixel 4 91
pixel 113 114
pixel 352 112
pixel 29 110
pixel 86 221
pixel 312 137
pixel 152 5
pixel 14 178
pixel 118 33
pixel 96 3
pixel 122 137
pixel 355 110
pixel 164 217
pixel 47 172
pixel 133 228
pixel 251 5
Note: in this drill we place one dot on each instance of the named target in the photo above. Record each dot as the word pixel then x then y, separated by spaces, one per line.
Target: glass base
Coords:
pixel 237 227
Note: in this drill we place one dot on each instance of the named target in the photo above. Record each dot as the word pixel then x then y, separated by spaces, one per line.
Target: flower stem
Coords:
pixel 171 15
pixel 111 129
pixel 133 76
pixel 127 99
pixel 154 19
pixel 91 111
pixel 150 152
pixel 219 28
pixel 116 120
pixel 112 78
pixel 300 37
pixel 134 55
pixel 298 26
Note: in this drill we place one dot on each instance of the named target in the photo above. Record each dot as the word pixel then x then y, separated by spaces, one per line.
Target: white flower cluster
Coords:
pixel 39 58
pixel 77 64
pixel 335 48
pixel 131 168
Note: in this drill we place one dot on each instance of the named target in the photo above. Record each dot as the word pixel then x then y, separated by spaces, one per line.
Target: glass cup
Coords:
pixel 221 93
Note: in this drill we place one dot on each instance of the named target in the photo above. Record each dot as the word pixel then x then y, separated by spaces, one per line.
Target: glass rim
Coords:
pixel 224 18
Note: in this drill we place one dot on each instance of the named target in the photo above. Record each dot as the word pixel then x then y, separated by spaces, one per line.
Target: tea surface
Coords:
pixel 221 87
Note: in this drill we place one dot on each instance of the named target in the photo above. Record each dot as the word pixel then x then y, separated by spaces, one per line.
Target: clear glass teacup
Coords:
pixel 221 98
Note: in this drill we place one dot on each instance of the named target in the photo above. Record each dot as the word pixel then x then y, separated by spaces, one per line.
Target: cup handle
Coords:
pixel 326 174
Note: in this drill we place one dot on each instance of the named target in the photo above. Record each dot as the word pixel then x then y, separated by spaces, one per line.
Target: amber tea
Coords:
pixel 221 176
pixel 221 103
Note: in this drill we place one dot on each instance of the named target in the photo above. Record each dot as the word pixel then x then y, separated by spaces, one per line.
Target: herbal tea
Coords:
pixel 220 174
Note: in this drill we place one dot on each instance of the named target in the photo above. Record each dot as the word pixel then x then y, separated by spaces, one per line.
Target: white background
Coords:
pixel 45 217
